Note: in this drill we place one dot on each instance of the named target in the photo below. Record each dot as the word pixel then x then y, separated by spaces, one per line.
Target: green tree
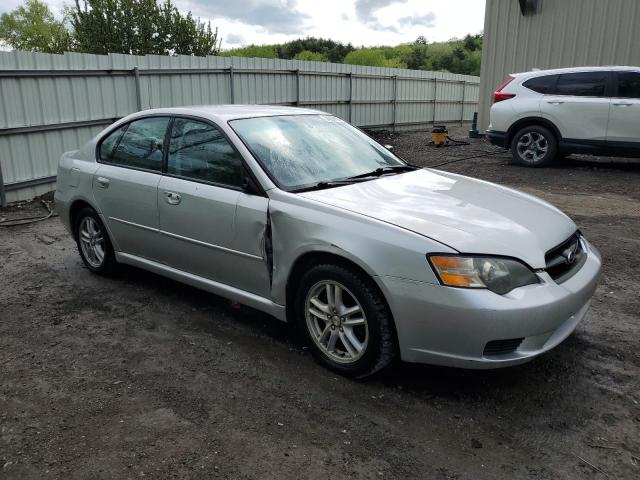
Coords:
pixel 372 57
pixel 419 54
pixel 252 51
pixel 473 42
pixel 334 51
pixel 32 26
pixel 139 27
pixel 311 56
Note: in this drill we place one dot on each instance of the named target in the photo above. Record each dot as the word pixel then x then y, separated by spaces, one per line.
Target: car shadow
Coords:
pixel 197 300
pixel 604 163
pixel 423 381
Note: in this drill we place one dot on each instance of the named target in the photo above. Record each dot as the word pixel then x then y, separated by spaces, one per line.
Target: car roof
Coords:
pixel 536 73
pixel 225 113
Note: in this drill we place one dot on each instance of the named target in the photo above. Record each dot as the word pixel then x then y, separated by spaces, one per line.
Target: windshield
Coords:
pixel 299 151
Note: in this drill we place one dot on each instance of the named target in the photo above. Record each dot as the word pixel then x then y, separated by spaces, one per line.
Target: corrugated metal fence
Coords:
pixel 53 103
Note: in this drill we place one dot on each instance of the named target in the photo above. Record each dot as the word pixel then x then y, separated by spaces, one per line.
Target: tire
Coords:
pixel 93 243
pixel 534 146
pixel 360 301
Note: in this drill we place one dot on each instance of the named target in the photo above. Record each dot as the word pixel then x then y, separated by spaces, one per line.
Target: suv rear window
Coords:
pixel 629 85
pixel 541 84
pixel 583 84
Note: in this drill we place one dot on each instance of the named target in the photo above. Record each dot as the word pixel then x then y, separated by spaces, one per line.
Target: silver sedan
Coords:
pixel 298 214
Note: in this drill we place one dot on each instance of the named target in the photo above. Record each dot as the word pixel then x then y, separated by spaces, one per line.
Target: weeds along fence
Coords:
pixel 50 104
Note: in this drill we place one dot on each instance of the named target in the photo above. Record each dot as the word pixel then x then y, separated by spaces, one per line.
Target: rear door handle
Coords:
pixel 555 102
pixel 172 198
pixel 623 104
pixel 103 182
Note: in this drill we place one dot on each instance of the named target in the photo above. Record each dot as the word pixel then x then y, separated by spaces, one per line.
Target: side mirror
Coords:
pixel 389 147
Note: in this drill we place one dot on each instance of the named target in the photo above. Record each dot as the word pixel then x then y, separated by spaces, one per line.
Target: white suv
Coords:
pixel 544 115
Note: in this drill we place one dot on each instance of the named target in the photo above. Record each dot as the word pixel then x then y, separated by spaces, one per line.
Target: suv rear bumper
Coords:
pixel 497 138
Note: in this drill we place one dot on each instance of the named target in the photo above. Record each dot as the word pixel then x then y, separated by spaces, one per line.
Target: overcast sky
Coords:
pixel 360 22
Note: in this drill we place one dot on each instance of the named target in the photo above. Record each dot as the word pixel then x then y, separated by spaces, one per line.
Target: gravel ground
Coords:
pixel 138 375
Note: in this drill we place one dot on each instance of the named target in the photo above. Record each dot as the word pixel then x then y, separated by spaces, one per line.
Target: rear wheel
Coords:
pixel 534 146
pixel 346 320
pixel 93 242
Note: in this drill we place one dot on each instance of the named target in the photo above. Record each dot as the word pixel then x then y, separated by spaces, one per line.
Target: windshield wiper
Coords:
pixel 338 182
pixel 328 184
pixel 384 170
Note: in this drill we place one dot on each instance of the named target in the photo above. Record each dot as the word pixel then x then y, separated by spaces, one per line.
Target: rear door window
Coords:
pixel 137 145
pixel 582 84
pixel 543 85
pixel 629 84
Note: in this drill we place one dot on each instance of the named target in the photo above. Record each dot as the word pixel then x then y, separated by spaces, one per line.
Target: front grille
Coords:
pixel 501 347
pixel 566 259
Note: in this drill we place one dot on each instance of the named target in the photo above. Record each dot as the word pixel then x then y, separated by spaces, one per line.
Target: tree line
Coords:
pixel 142 27
pixel 455 56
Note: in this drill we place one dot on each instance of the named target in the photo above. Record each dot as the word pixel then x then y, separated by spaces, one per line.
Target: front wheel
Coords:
pixel 534 146
pixel 346 320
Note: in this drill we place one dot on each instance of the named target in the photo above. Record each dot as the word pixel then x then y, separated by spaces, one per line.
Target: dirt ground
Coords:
pixel 139 376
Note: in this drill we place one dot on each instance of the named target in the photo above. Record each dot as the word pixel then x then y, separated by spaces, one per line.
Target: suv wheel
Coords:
pixel 93 242
pixel 534 146
pixel 346 321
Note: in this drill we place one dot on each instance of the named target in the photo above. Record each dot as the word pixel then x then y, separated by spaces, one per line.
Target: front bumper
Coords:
pixel 497 138
pixel 451 326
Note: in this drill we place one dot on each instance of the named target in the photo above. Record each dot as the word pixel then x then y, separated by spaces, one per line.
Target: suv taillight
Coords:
pixel 498 96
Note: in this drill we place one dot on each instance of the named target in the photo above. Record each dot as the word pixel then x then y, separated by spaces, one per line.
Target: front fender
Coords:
pixel 300 226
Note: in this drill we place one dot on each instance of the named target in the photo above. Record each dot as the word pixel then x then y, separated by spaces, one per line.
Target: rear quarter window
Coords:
pixel 544 84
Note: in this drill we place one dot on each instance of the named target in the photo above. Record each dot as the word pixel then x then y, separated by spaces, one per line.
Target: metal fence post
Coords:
pixel 435 99
pixel 136 77
pixel 350 96
pixel 231 87
pixel 464 91
pixel 3 197
pixel 393 102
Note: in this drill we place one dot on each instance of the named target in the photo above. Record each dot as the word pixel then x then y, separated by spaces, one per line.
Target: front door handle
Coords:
pixel 172 198
pixel 621 104
pixel 103 182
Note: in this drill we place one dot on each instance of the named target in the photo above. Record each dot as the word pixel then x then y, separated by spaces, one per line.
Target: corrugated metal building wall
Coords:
pixel 562 33
pixel 53 103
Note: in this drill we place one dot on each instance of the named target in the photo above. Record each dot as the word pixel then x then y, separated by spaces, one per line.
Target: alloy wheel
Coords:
pixel 92 242
pixel 336 321
pixel 532 147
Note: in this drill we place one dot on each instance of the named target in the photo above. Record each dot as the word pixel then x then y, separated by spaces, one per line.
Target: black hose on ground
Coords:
pixel 483 154
pixel 14 222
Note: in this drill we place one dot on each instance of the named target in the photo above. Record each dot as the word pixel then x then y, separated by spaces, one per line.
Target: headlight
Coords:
pixel 500 275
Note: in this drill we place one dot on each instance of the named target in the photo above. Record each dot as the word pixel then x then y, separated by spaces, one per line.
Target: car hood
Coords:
pixel 468 215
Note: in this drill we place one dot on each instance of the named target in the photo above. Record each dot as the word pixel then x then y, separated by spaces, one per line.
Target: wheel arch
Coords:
pixel 316 257
pixel 74 210
pixel 529 121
